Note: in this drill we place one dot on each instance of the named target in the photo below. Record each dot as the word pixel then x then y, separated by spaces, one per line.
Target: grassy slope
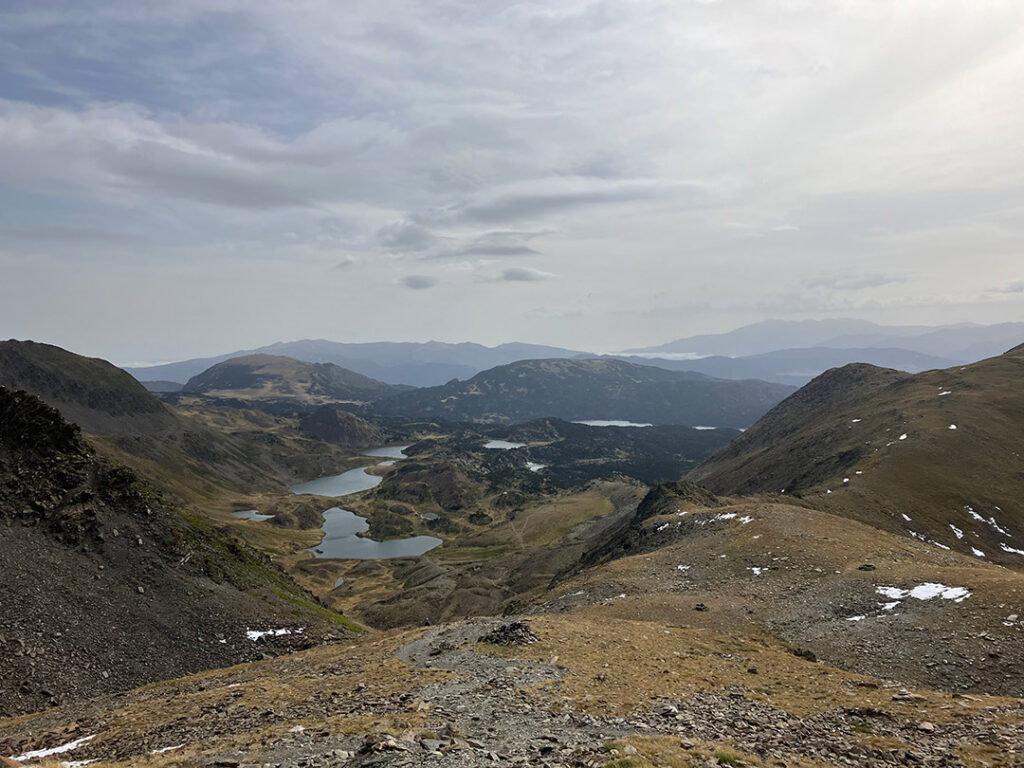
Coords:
pixel 809 587
pixel 810 443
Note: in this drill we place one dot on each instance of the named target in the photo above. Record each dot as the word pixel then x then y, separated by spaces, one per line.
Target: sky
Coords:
pixel 192 177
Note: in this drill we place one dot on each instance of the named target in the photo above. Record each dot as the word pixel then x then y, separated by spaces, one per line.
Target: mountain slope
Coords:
pixel 98 396
pixel 272 377
pixel 936 455
pixel 103 587
pixel 593 388
pixel 412 364
pixel 131 425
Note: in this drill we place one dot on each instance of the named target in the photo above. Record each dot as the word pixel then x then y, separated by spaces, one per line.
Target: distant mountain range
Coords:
pixel 408 363
pixel 960 343
pixel 797 366
pixel 589 388
pixel 781 351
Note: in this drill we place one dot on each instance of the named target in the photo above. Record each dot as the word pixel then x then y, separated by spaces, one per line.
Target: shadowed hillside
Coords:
pixel 589 389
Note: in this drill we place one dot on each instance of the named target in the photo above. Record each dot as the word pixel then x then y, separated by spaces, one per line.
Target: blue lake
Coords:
pixel 340 540
pixel 341 525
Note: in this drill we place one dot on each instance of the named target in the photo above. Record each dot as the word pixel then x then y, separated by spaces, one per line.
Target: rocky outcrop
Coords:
pixel 103 587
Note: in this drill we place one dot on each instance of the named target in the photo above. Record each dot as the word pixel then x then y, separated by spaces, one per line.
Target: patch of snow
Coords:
pixel 166 749
pixel 992 521
pixel 854 421
pixel 956 531
pixel 952 426
pixel 38 753
pixel 746 519
pixel 905 517
pixel 705 428
pixel 940 546
pixel 888 606
pixel 857 618
pixel 858 472
pixel 926 591
pixel 977 552
pixel 756 537
pixel 725 516
pixel 944 392
pixel 1006 548
pixel 903 436
pixel 256 634
pixel 892 592
pixel 683 567
pixel 534 466
pixel 622 596
pixel 846 479
pixel 662 527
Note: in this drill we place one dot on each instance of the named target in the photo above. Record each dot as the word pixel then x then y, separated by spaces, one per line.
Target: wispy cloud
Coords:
pixel 847 282
pixel 523 275
pixel 250 142
pixel 418 282
pixel 1016 286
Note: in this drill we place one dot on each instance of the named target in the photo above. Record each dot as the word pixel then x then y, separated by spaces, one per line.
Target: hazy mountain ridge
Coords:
pixel 799 365
pixel 409 363
pixel 589 388
pixel 959 343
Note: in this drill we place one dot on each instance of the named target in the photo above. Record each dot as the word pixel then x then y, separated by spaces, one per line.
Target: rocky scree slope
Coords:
pixel 103 588
pixel 533 691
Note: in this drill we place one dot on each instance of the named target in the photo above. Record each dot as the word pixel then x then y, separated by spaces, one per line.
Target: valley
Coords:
pixel 825 574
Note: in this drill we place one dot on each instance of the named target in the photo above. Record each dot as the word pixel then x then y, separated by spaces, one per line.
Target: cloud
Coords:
pixel 418 282
pixel 1016 286
pixel 495 250
pixel 346 262
pixel 404 236
pixel 551 196
pixel 853 282
pixel 523 275
pixel 51 233
pixel 245 139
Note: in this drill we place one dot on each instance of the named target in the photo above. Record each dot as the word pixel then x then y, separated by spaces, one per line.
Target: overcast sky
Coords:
pixel 191 177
